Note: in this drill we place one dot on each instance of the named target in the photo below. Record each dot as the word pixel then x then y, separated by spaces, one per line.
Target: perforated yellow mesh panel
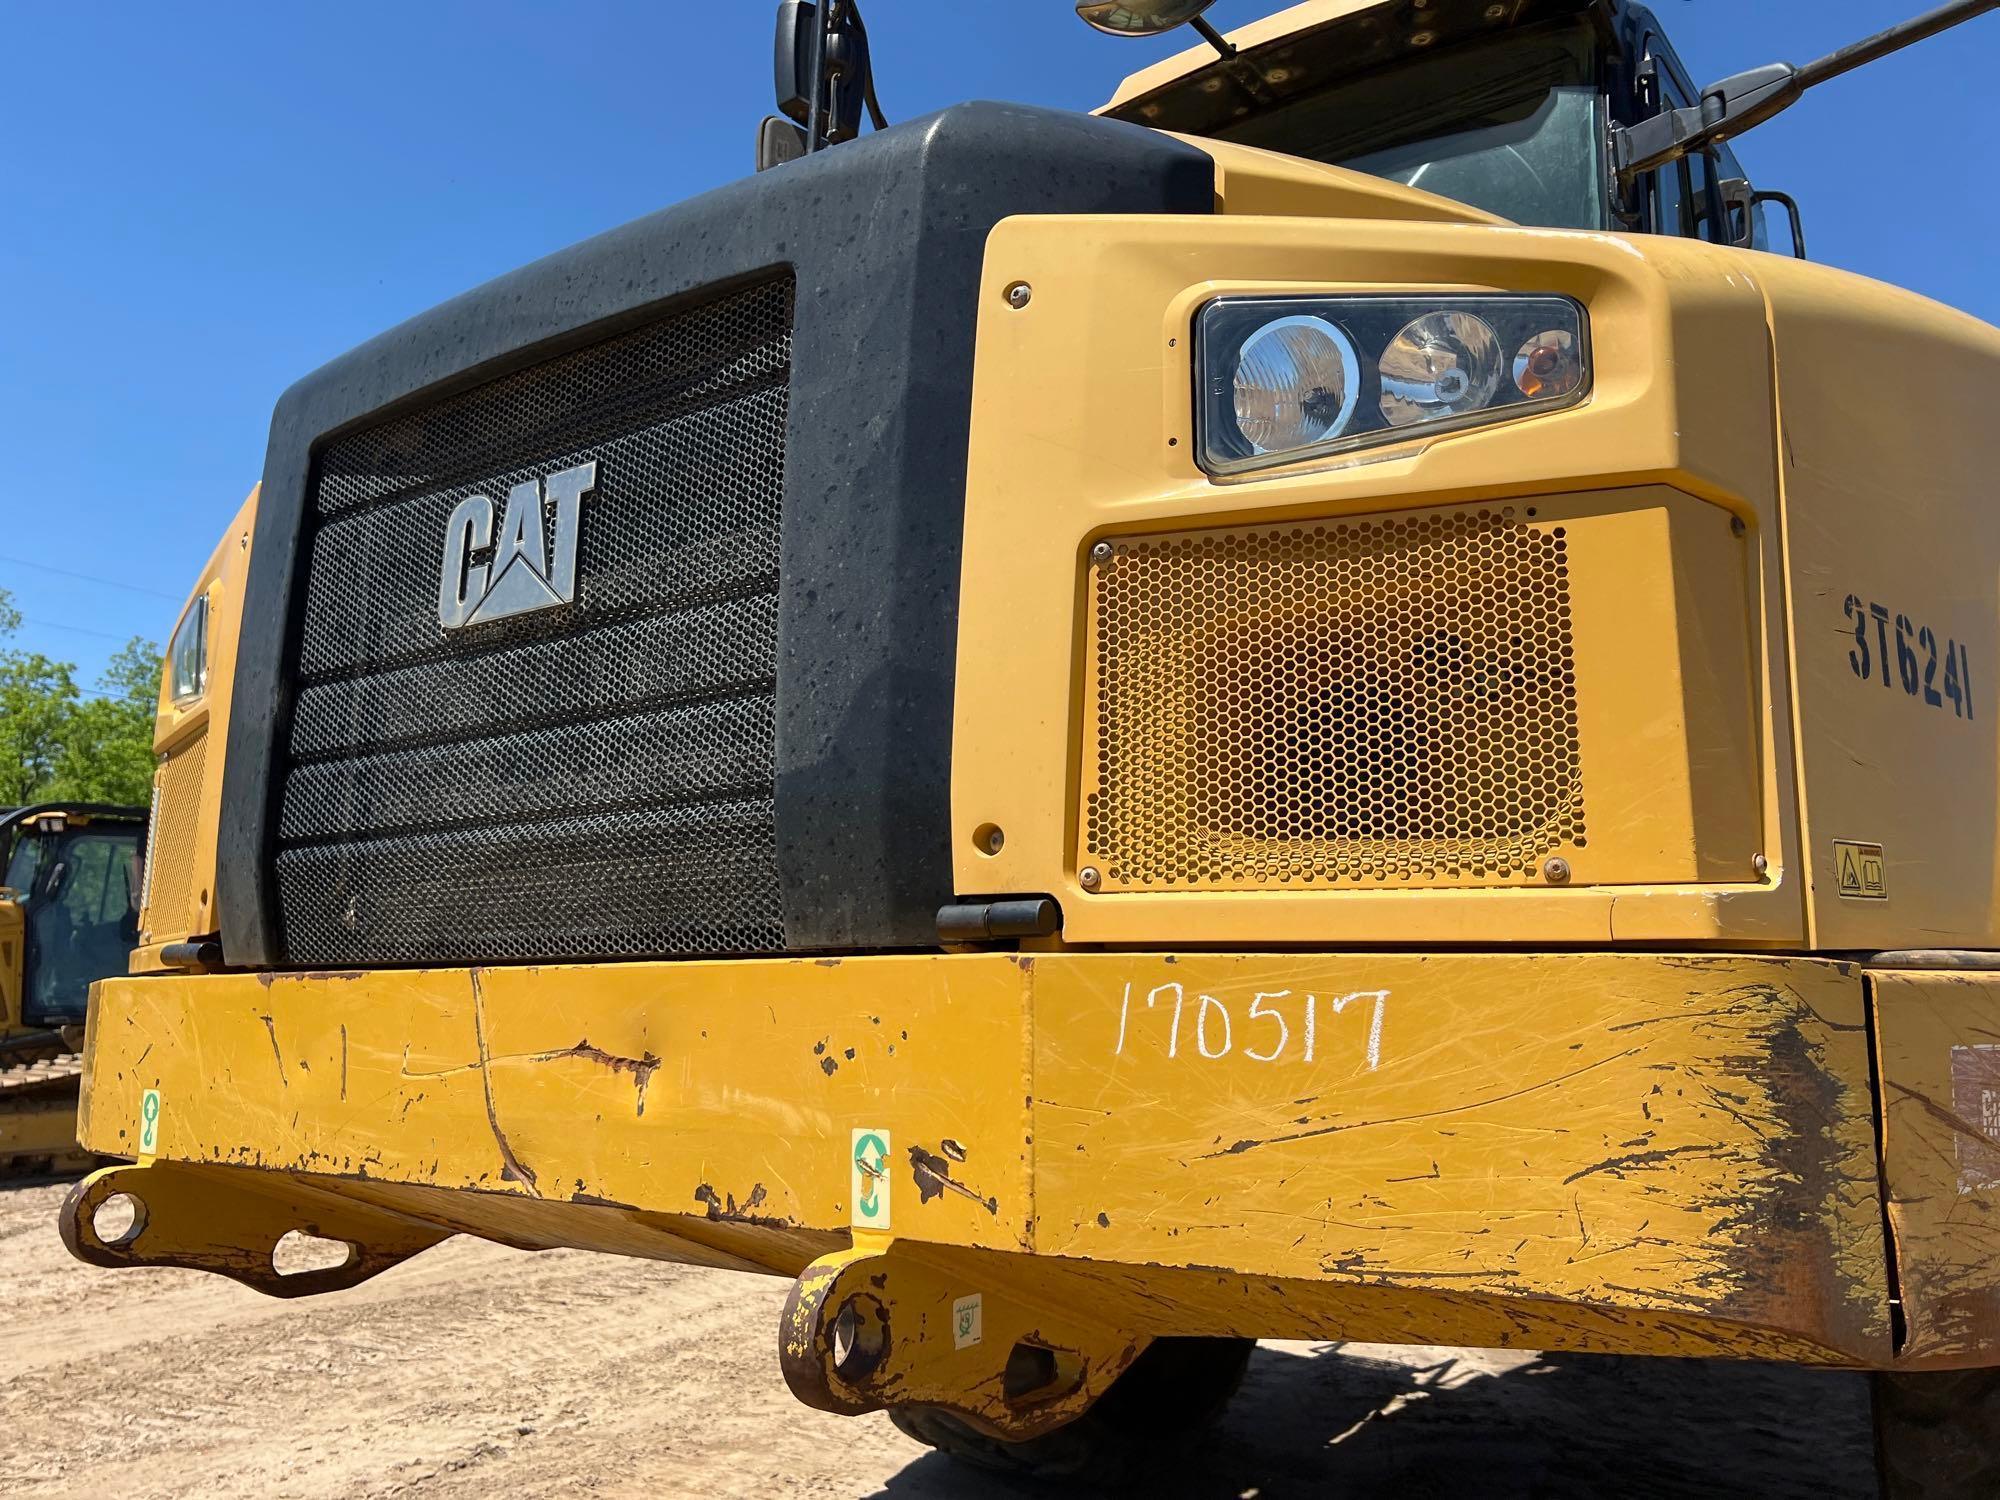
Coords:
pixel 170 862
pixel 1340 702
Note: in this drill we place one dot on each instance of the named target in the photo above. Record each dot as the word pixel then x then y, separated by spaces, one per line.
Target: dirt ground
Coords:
pixel 475 1370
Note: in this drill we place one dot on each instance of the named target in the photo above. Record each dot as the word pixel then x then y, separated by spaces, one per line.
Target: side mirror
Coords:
pixel 843 66
pixel 1139 17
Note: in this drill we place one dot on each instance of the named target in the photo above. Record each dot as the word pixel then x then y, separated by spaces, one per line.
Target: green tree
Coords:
pixel 56 744
pixel 107 752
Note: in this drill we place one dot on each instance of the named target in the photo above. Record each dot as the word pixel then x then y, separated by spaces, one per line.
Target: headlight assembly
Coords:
pixel 187 653
pixel 1289 378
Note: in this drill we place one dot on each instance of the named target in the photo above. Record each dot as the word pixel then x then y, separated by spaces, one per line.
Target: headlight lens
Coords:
pixel 1289 378
pixel 1444 365
pixel 187 653
pixel 1297 381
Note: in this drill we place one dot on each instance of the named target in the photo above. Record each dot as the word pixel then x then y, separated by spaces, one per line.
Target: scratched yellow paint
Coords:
pixel 1575 1151
pixel 726 1091
pixel 1618 1132
pixel 1939 1035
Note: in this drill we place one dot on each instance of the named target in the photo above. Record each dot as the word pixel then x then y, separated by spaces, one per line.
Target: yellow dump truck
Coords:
pixel 1319 705
pixel 69 914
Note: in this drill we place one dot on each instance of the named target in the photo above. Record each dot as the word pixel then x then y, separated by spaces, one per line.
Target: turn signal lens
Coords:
pixel 1285 379
pixel 1296 384
pixel 1548 366
pixel 1442 366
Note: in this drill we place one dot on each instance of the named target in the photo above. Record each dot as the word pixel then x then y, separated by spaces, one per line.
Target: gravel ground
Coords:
pixel 474 1369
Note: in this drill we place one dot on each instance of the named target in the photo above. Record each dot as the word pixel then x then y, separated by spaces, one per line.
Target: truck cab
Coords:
pixel 1512 113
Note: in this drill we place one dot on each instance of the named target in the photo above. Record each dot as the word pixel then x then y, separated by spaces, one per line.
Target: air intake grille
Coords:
pixel 594 780
pixel 170 840
pixel 1378 700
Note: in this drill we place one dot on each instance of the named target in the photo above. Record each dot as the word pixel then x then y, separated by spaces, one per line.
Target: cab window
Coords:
pixel 82 919
pixel 1513 124
pixel 24 865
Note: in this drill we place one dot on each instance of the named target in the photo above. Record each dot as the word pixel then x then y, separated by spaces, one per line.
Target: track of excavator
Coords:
pixel 39 1078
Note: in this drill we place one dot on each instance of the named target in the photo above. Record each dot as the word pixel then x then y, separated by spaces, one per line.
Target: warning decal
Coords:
pixel 1975 1099
pixel 1858 869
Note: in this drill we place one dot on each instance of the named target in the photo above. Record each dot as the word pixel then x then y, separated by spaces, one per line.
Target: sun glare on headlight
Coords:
pixel 1443 365
pixel 1285 379
pixel 1296 381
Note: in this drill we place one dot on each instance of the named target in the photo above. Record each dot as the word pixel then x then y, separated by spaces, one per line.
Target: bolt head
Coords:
pixel 1089 876
pixel 1101 552
pixel 1556 872
pixel 1761 865
pixel 995 841
pixel 1020 294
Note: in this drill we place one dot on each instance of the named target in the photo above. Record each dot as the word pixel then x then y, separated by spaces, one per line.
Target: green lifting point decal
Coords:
pixel 868 1183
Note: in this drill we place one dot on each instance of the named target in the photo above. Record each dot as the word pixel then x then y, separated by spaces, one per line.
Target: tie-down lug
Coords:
pixel 230 1222
pixel 889 1325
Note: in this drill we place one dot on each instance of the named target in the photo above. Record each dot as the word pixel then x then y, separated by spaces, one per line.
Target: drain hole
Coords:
pixel 298 1253
pixel 118 1220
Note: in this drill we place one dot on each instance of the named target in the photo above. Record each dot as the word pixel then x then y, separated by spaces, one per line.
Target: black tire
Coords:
pixel 1156 1409
pixel 1937 1436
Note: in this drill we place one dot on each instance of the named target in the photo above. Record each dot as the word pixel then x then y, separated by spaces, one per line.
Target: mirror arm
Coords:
pixel 1746 100
pixel 1895 39
pixel 1727 108
pixel 816 97
pixel 1214 38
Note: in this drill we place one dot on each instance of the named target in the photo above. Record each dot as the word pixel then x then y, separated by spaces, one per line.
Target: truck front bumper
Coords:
pixel 1638 1153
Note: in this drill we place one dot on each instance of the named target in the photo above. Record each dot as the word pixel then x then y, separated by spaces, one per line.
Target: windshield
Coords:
pixel 1512 125
pixel 26 863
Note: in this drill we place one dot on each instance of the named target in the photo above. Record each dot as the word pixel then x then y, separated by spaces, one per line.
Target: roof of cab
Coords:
pixel 1271 28
pixel 1286 40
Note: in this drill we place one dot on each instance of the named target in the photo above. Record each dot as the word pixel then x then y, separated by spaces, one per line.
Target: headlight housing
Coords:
pixel 1283 379
pixel 187 654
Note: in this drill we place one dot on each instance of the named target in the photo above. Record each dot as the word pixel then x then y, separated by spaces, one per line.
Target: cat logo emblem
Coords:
pixel 485 580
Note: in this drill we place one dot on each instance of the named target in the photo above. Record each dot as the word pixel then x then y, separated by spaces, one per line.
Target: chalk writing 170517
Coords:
pixel 1205 1026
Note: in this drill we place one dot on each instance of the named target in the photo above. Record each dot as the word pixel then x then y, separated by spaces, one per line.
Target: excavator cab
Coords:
pixel 70 890
pixel 75 875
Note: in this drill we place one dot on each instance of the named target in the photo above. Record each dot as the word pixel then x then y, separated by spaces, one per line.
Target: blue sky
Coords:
pixel 199 204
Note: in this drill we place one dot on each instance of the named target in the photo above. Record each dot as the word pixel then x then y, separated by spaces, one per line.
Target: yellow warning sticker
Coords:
pixel 1859 871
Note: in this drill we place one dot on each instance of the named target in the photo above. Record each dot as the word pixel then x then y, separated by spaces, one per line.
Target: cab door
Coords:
pixel 81 904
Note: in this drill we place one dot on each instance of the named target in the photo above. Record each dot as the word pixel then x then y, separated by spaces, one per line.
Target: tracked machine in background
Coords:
pixel 69 916
pixel 1324 705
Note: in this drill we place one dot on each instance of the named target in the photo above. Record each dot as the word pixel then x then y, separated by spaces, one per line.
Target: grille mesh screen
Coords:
pixel 1333 703
pixel 170 862
pixel 588 781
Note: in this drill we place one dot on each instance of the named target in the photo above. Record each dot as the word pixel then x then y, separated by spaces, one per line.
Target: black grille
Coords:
pixel 591 781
